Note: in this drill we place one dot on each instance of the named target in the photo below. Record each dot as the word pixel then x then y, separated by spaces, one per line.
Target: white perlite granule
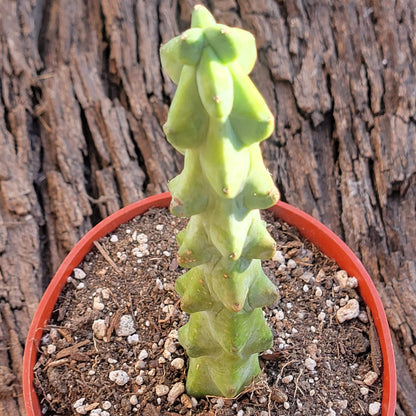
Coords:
pixel 120 377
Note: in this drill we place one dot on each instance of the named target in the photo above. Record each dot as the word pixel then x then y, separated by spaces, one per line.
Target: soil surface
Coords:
pixel 111 346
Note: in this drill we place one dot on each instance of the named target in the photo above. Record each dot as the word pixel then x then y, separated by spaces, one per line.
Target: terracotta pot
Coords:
pixel 310 228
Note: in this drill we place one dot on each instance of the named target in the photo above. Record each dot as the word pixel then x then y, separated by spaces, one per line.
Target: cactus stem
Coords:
pixel 214 120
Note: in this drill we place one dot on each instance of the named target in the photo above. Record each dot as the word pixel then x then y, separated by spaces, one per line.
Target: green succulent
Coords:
pixel 217 120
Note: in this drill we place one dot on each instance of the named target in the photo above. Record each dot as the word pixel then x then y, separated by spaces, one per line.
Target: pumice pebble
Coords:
pixel 79 274
pixel 120 377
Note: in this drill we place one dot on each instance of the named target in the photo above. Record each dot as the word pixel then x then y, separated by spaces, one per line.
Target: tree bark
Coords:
pixel 83 98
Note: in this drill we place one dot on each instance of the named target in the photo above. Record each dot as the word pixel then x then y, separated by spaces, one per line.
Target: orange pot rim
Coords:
pixel 310 228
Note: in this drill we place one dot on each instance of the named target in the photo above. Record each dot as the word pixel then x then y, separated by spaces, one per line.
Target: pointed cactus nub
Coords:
pixel 195 247
pixel 230 282
pixel 233 44
pixel 190 196
pixel 201 17
pixel 169 53
pixel 194 293
pixel 221 40
pixel 187 120
pixel 251 118
pixel 190 46
pixel 262 292
pixel 234 330
pixel 224 162
pixel 246 44
pixel 215 85
pixel 196 337
pixel 229 236
pixel 260 191
pixel 259 243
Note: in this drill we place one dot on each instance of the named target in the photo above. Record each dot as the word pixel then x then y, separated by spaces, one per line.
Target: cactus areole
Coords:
pixel 217 120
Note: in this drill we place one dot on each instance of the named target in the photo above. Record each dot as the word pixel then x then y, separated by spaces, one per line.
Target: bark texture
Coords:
pixel 83 98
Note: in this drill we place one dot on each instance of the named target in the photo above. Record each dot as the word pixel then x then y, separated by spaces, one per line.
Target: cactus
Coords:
pixel 217 120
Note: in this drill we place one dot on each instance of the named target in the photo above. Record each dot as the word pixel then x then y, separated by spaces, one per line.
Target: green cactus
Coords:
pixel 217 119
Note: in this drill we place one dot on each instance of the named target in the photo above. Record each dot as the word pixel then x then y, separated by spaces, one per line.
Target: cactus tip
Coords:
pixel 226 190
pixel 225 276
pixel 274 194
pixel 183 36
pixel 201 17
pixel 216 98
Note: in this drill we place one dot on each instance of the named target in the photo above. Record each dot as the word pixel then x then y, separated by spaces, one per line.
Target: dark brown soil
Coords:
pixel 317 365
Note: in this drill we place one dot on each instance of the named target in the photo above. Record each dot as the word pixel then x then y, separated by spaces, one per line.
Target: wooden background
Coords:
pixel 83 97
